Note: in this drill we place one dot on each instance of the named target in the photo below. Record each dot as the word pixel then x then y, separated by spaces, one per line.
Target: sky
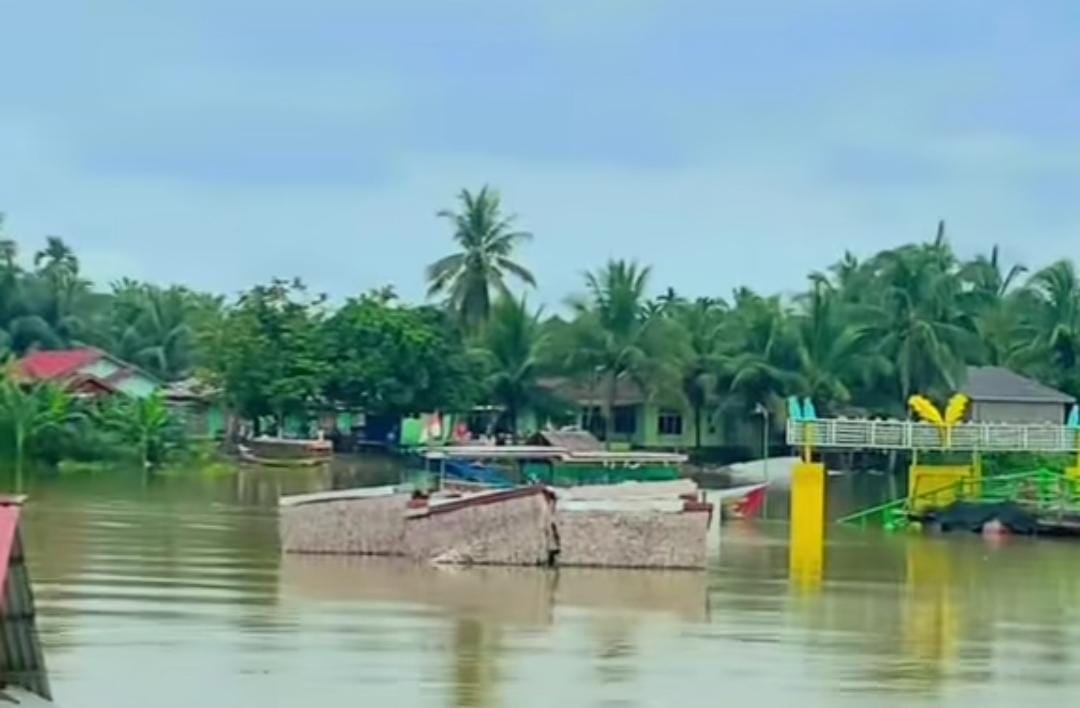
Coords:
pixel 220 143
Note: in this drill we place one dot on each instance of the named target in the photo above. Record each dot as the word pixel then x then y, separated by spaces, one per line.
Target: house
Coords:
pixel 88 372
pixel 198 406
pixel 639 421
pixel 999 395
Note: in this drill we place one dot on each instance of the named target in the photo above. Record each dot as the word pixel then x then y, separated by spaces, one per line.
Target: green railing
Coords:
pixel 1041 490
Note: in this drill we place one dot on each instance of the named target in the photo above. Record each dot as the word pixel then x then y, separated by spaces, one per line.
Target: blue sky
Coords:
pixel 219 143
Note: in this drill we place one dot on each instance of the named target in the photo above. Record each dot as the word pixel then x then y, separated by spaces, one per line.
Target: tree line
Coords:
pixel 859 338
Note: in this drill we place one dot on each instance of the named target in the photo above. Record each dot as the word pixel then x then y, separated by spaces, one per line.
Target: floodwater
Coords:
pixel 171 592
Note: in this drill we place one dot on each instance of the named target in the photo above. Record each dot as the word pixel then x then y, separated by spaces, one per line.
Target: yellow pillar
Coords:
pixel 807 542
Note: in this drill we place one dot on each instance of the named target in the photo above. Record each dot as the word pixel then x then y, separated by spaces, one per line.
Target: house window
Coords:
pixel 669 423
pixel 625 420
pixel 592 419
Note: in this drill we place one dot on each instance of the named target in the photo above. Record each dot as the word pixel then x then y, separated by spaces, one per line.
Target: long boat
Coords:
pixel 286 452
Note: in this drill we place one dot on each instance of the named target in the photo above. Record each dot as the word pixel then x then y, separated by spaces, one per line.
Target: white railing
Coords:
pixel 902 435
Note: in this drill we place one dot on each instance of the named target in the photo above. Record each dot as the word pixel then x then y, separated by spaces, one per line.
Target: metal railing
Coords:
pixel 856 434
pixel 1041 490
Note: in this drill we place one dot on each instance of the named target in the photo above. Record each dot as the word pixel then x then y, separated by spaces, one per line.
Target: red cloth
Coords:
pixel 751 504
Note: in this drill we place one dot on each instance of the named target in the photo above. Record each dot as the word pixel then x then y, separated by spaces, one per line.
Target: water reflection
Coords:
pixel 172 592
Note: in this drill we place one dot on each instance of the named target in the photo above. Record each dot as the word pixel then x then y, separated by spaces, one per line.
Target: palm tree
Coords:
pixel 835 350
pixel 917 317
pixel 515 343
pixel 615 336
pixel 1052 326
pixel 54 299
pixel 473 277
pixel 988 294
pixel 703 324
pixel 760 368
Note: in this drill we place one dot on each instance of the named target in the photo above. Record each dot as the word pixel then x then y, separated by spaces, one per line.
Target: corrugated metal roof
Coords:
pixel 994 383
pixel 57 364
pixel 21 661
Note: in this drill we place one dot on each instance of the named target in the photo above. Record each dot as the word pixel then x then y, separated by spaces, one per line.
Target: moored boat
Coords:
pixel 286 452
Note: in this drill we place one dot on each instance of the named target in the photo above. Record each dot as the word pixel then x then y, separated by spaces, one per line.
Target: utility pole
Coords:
pixel 763 411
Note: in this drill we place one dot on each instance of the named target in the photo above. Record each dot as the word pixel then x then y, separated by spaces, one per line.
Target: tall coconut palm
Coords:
pixel 1052 327
pixel 516 345
pixel 473 277
pixel 835 350
pixel 706 346
pixel 989 295
pixel 918 320
pixel 761 367
pixel 615 336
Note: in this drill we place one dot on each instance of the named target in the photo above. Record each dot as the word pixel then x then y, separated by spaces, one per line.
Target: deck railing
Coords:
pixel 854 434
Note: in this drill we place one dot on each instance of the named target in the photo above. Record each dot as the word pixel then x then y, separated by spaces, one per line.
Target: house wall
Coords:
pixel 1012 412
pixel 102 368
pixel 647 429
pixel 137 386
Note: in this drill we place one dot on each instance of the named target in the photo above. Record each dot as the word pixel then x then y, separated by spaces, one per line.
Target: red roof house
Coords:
pixel 88 371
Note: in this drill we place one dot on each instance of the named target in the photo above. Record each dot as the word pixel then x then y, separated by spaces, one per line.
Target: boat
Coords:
pixel 286 452
pixel 551 465
pixel 23 678
pixel 629 525
pixel 633 525
pixel 499 527
pixel 365 521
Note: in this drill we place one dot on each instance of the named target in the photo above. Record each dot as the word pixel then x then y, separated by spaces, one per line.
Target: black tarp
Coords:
pixel 971 516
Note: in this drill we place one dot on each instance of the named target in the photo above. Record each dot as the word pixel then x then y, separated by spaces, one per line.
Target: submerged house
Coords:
pixel 89 372
pixel 999 395
pixel 639 421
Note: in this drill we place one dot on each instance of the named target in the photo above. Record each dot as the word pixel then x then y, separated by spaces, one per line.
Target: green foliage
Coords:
pixel 265 351
pixel 143 424
pixel 472 278
pixel 616 335
pixel 384 357
pixel 30 413
pixel 517 349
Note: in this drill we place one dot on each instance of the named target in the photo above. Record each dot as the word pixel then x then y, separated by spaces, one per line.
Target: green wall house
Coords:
pixel 638 420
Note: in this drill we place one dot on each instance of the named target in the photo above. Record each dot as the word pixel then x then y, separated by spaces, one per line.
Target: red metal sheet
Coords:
pixel 9 523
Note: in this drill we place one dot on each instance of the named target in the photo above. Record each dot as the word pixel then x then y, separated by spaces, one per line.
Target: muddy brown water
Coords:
pixel 171 592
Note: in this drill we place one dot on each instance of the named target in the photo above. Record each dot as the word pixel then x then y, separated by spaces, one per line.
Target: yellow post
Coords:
pixel 807 542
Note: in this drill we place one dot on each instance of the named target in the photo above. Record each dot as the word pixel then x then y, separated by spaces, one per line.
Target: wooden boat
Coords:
pixel 286 452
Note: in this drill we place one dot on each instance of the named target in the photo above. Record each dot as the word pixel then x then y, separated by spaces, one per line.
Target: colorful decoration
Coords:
pixel 925 409
pixel 929 413
pixel 954 412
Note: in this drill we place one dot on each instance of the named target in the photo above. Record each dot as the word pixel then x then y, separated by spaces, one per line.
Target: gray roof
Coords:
pixel 573 440
pixel 994 383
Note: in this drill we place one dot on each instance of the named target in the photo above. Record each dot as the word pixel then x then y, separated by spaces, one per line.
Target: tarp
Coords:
pixel 971 516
